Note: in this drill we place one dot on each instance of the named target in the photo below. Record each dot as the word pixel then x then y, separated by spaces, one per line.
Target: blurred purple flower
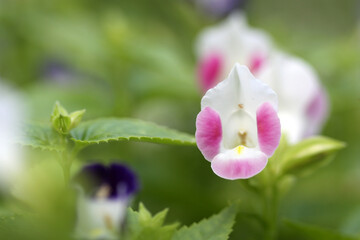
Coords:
pixel 219 8
pixel 57 71
pixel 105 192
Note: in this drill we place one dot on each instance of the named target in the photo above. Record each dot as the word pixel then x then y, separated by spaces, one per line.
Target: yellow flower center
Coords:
pixel 239 149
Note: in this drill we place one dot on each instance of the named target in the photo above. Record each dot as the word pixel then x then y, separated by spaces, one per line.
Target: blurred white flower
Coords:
pixel 302 100
pixel 40 185
pixel 303 104
pixel 11 114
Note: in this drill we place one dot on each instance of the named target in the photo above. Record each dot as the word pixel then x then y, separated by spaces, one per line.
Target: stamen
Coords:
pixel 239 149
pixel 241 106
pixel 242 136
pixel 96 233
pixel 103 192
pixel 108 222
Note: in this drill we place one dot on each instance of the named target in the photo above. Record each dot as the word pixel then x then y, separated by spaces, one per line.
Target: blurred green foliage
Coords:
pixel 135 59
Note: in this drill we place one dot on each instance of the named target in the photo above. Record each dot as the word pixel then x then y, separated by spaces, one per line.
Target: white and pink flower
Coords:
pixel 238 128
pixel 219 48
pixel 303 104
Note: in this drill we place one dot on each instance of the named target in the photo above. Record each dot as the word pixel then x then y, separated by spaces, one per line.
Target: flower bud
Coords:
pixel 62 121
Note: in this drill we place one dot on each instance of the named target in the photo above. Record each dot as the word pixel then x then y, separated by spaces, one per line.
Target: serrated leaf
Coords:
pixel 42 136
pixel 294 230
pixel 143 226
pixel 217 227
pixel 119 129
pixel 309 154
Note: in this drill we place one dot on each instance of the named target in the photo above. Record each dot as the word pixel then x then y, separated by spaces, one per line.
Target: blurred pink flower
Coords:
pixel 219 48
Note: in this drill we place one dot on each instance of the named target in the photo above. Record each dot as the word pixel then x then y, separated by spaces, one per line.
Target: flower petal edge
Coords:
pixel 208 133
pixel 269 129
pixel 243 166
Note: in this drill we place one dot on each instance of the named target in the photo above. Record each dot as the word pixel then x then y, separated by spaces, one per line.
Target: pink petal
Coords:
pixel 208 132
pixel 257 61
pixel 233 167
pixel 269 130
pixel 209 70
pixel 317 112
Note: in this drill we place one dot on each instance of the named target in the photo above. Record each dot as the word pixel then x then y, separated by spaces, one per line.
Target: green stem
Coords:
pixel 66 158
pixel 271 214
pixel 245 183
pixel 271 201
pixel 66 172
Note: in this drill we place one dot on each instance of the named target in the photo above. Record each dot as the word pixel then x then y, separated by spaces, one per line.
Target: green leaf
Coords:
pixel 13 225
pixel 351 224
pixel 8 223
pixel 7 216
pixel 42 136
pixel 308 155
pixel 217 227
pixel 142 225
pixel 293 230
pixel 117 129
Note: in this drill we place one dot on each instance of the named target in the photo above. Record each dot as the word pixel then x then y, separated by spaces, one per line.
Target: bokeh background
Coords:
pixel 136 59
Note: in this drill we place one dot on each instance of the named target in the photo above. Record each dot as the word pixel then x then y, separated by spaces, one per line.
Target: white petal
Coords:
pixel 100 216
pixel 223 98
pixel 239 163
pixel 293 125
pixel 217 38
pixel 296 84
pixel 241 87
pixel 240 123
